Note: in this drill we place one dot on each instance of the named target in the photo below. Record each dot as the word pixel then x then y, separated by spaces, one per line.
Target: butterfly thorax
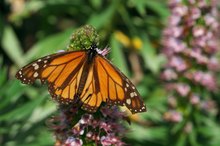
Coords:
pixel 92 53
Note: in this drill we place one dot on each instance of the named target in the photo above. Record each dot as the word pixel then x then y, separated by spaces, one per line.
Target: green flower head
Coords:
pixel 83 38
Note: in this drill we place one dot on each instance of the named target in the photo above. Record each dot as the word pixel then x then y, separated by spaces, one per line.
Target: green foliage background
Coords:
pixel 34 28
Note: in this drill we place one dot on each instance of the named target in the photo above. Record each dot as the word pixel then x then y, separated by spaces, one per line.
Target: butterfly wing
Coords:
pixel 106 83
pixel 62 71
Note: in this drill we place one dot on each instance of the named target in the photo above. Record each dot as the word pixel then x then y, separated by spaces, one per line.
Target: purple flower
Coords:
pixel 205 79
pixel 194 99
pixel 169 74
pixel 198 31
pixel 180 10
pixel 111 140
pixel 175 31
pixel 195 13
pixel 214 64
pixel 172 101
pixel 209 105
pixel 71 141
pixel 76 128
pixel 209 81
pixel 190 45
pixel 173 116
pixel 183 89
pixel 178 63
pixel 86 119
pixel 174 20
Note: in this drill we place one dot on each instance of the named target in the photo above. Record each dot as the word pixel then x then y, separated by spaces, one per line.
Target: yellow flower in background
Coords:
pixel 134 43
pixel 137 43
pixel 122 38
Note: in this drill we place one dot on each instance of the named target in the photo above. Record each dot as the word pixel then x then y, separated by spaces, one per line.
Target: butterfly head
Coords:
pixel 93 47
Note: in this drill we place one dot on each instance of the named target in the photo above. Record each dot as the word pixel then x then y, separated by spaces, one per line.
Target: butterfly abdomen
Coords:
pixel 85 72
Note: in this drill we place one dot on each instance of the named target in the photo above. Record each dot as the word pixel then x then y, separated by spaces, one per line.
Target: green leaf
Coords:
pixel 96 3
pixel 98 20
pixel 3 73
pixel 117 56
pixel 158 7
pixel 11 46
pixel 22 111
pixel 9 93
pixel 181 141
pixel 193 138
pixel 151 133
pixel 49 45
pixel 151 59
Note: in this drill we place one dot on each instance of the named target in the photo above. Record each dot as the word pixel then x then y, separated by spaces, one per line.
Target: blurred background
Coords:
pixel 169 49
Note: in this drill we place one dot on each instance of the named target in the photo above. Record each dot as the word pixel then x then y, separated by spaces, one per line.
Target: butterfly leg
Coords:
pixel 82 102
pixel 78 101
pixel 76 98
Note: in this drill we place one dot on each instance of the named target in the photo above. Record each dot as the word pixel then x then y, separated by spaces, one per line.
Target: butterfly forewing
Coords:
pixel 29 73
pixel 61 71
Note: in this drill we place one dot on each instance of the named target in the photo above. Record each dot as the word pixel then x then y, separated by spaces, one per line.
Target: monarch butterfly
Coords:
pixel 84 76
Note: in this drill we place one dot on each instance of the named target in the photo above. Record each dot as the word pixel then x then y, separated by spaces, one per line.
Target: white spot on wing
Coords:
pixel 128 101
pixel 35 74
pixel 132 94
pixel 36 66
pixel 127 85
pixel 135 94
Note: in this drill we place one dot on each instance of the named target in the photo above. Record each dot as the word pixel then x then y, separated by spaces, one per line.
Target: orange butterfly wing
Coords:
pixel 103 83
pixel 62 71
pixel 106 83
